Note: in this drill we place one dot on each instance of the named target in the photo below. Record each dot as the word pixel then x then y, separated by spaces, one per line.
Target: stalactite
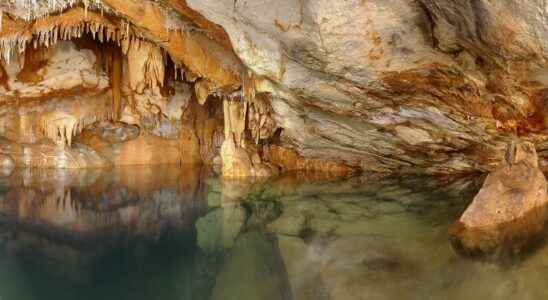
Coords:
pixel 35 59
pixel 257 115
pixel 4 78
pixel 235 119
pixel 116 83
pixel 61 123
pixel 203 90
pixel 60 127
pixel 248 86
pixel 35 9
pixel 48 34
pixel 146 65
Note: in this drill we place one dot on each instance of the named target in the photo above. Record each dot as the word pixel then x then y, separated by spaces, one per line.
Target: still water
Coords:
pixel 167 233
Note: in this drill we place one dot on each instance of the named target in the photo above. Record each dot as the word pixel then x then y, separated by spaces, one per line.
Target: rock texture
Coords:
pixel 396 85
pixel 511 206
pixel 384 85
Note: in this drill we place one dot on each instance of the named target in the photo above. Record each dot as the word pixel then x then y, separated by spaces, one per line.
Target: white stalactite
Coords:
pixel 48 37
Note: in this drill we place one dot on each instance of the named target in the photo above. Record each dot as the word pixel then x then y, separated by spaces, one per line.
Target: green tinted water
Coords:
pixel 166 233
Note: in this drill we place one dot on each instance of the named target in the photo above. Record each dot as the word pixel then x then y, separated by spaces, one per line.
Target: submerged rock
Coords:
pixel 218 229
pixel 253 270
pixel 366 267
pixel 510 208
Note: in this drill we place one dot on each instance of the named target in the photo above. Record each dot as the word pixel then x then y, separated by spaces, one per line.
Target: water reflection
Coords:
pixel 92 233
pixel 88 203
pixel 177 233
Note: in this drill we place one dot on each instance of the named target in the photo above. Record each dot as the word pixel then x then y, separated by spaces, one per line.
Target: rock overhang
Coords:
pixel 428 87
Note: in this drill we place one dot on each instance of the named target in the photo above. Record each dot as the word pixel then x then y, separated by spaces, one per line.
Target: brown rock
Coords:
pixel 290 160
pixel 434 87
pixel 190 146
pixel 510 208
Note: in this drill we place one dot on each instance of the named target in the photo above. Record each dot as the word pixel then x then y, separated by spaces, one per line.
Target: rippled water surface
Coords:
pixel 167 233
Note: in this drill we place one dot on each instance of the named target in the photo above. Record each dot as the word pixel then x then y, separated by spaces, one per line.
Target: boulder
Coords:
pixel 510 209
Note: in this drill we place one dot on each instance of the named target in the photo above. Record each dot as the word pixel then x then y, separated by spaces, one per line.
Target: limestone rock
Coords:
pixel 190 146
pixel 290 160
pixel 145 66
pixel 146 149
pixel 383 85
pixel 118 132
pixel 395 85
pixel 66 68
pixel 509 209
pixel 47 155
pixel 236 161
pixel 6 165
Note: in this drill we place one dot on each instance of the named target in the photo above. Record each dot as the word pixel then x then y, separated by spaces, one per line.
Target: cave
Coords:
pixel 273 149
pixel 84 88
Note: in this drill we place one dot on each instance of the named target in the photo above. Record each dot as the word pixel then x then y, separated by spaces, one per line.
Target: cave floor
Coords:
pixel 167 232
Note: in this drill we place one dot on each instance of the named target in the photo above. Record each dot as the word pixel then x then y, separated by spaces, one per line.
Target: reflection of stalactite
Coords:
pixel 59 200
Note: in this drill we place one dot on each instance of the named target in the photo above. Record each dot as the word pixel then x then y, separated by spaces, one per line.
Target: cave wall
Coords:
pixel 62 107
pixel 397 85
pixel 393 85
